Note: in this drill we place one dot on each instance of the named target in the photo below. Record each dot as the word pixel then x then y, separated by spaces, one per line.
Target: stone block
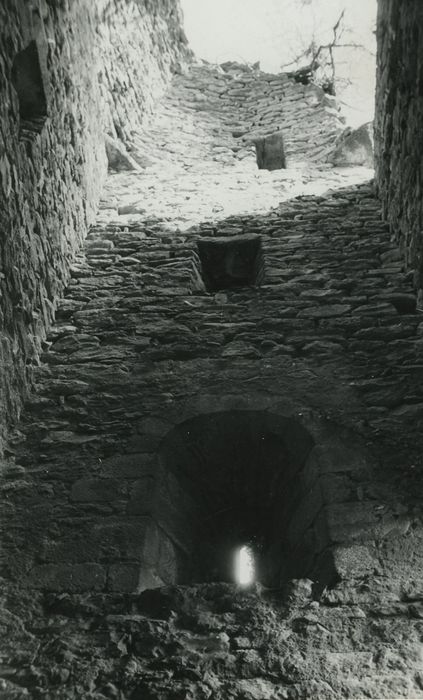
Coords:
pixel 132 538
pixel 239 348
pixel 270 152
pixel 349 663
pixel 355 147
pixel 402 554
pixel 325 311
pixel 73 578
pixel 355 560
pixel 75 545
pixel 95 490
pixel 129 466
pixel 349 522
pixel 16 640
pixel 148 573
pixel 334 457
pixel 155 427
pixel 337 488
pixel 143 496
pixel 132 578
pixel 118 158
pixel 141 542
pixel 147 579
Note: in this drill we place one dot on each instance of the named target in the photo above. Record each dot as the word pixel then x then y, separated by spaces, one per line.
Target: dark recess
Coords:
pixel 270 152
pixel 28 83
pixel 231 262
pixel 243 470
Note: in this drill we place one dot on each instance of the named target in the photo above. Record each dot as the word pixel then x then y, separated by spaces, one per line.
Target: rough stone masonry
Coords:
pixel 101 67
pixel 233 356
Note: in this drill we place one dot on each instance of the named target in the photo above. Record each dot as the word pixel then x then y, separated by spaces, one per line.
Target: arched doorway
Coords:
pixel 242 480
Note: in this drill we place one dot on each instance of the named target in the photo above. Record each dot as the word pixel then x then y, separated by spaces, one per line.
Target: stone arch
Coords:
pixel 213 474
pixel 290 490
pixel 238 472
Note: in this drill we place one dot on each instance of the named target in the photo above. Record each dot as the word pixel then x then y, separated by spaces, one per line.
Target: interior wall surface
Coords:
pixel 399 114
pixel 80 77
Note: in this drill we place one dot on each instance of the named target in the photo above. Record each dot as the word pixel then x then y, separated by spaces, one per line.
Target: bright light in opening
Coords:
pixel 244 566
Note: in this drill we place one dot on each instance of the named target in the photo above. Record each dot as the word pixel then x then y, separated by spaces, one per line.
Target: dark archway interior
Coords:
pixel 243 469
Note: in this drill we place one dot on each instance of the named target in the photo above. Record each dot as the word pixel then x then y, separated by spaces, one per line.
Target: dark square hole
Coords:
pixel 231 262
pixel 270 152
pixel 28 83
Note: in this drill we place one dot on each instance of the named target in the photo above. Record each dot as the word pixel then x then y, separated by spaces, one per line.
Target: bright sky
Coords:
pixel 275 31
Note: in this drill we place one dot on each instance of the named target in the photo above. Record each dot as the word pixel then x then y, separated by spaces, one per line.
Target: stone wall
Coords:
pixel 159 391
pixel 399 138
pixel 90 67
pixel 142 44
pixel 246 105
pixel 220 641
pixel 199 154
pixel 330 339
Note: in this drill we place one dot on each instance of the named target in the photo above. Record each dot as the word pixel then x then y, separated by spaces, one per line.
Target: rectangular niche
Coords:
pixel 231 262
pixel 27 80
pixel 270 152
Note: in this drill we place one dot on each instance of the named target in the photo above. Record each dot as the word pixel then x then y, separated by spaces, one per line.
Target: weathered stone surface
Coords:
pixel 355 147
pixel 279 337
pixel 327 351
pixel 127 578
pixel 399 143
pixel 60 91
pixel 270 152
pixel 76 577
pixel 92 490
pixel 118 158
pixel 356 560
pixel 230 643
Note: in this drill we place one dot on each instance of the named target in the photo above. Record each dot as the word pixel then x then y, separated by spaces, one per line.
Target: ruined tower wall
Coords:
pixel 399 113
pixel 68 72
pixel 163 375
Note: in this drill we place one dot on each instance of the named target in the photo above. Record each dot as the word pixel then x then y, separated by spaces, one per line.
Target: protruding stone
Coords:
pixel 355 147
pixel 118 157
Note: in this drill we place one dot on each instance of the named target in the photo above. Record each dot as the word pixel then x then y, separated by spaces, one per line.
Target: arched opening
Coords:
pixel 241 483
